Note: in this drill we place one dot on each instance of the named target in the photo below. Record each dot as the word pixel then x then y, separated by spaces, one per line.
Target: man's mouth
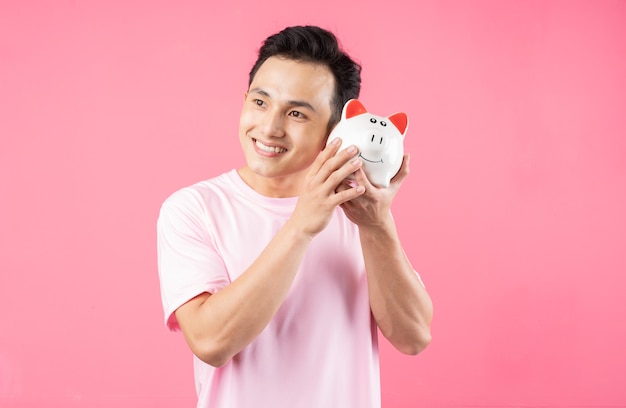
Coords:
pixel 269 149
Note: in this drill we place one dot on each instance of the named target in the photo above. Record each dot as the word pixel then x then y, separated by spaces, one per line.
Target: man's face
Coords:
pixel 283 124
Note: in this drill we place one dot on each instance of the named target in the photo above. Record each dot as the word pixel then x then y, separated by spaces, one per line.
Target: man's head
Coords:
pixel 318 46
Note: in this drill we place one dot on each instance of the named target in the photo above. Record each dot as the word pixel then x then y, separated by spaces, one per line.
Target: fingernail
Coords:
pixel 352 149
pixel 335 141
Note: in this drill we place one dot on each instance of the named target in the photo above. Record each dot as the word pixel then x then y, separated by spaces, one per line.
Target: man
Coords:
pixel 279 273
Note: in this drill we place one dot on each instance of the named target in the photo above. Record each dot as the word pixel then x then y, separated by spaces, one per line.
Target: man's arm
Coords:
pixel 219 326
pixel 400 304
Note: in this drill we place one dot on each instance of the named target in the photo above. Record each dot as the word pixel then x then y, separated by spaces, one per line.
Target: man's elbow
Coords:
pixel 211 353
pixel 416 343
pixel 213 360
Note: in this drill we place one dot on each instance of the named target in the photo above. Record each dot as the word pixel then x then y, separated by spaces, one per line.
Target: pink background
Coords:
pixel 514 212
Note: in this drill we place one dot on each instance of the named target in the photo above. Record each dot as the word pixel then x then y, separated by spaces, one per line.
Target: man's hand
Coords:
pixel 371 209
pixel 321 194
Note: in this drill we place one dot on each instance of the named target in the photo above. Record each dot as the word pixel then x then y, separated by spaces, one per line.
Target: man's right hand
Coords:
pixel 320 195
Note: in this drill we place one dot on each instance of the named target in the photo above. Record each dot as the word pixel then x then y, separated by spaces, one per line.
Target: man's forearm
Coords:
pixel 400 304
pixel 219 326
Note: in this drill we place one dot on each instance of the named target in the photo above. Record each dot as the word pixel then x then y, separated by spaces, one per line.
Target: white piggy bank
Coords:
pixel 380 140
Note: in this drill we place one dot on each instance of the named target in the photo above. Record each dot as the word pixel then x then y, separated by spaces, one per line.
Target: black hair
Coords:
pixel 319 46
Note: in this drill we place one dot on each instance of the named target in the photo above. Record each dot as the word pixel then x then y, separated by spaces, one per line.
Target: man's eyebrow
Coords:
pixel 302 104
pixel 260 92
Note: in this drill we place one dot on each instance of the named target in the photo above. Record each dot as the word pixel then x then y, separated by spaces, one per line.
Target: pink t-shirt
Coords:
pixel 320 349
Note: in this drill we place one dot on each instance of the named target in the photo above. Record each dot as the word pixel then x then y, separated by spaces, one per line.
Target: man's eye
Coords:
pixel 296 114
pixel 258 102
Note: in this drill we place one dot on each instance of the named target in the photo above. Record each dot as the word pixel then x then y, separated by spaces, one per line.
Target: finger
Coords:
pixel 346 184
pixel 329 151
pixel 403 172
pixel 361 179
pixel 340 166
pixel 344 196
pixel 342 174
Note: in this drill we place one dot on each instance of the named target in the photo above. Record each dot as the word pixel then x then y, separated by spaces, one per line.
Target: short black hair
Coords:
pixel 319 46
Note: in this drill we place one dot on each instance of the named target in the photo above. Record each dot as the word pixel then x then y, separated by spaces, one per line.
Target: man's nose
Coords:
pixel 273 124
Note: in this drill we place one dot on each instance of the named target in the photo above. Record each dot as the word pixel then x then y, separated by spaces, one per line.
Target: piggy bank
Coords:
pixel 380 140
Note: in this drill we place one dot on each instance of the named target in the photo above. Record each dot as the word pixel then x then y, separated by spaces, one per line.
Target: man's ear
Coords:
pixel 329 128
pixel 245 96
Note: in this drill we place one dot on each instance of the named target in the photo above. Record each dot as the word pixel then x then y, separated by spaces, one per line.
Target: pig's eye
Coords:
pixel 373 120
pixel 383 123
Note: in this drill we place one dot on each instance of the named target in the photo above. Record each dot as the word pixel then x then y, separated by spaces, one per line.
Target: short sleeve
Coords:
pixel 188 263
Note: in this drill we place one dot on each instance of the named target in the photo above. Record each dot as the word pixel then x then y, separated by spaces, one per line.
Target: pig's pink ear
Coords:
pixel 401 121
pixel 353 108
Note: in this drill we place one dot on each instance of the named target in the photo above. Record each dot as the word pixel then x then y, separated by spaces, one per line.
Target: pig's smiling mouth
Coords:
pixel 371 161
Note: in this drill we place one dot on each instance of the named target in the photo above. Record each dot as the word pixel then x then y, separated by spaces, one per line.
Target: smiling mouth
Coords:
pixel 370 161
pixel 269 149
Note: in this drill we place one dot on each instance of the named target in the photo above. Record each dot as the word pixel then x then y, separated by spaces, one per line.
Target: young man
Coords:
pixel 279 273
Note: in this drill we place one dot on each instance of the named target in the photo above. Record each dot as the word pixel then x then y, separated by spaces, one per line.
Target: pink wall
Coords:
pixel 514 212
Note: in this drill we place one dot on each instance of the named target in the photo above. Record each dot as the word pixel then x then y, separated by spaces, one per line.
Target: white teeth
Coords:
pixel 270 149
